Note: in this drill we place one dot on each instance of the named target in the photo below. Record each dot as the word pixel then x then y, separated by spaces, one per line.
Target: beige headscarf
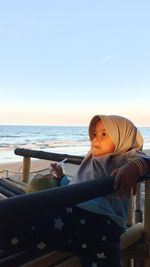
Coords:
pixel 122 131
pixel 128 144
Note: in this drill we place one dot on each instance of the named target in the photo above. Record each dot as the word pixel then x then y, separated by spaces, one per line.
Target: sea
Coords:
pixel 58 139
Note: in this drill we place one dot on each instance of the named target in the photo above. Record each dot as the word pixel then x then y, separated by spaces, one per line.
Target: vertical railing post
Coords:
pixel 130 211
pixel 7 174
pixel 127 262
pixel 26 169
pixel 138 211
pixel 147 221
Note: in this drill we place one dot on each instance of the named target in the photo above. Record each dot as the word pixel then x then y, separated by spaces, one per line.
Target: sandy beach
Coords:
pixel 36 165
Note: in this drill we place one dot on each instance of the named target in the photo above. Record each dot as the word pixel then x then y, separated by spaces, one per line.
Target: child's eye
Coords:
pixel 99 135
pixel 103 134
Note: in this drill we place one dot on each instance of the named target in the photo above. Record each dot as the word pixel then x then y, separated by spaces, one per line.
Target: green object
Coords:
pixel 42 182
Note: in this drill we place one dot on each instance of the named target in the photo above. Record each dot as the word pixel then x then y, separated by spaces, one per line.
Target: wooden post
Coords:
pixel 127 262
pixel 130 212
pixel 26 169
pixel 138 211
pixel 138 218
pixel 147 221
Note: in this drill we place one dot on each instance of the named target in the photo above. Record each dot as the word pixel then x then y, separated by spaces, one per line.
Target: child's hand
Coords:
pixel 126 178
pixel 57 170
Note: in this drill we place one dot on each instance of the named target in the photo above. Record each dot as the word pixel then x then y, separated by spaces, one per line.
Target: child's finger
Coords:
pixel 114 172
pixel 53 165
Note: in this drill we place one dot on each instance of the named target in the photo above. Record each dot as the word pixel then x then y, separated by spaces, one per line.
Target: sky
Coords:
pixel 63 61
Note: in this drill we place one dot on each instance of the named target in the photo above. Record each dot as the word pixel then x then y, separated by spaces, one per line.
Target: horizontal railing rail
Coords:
pixel 50 201
pixel 48 155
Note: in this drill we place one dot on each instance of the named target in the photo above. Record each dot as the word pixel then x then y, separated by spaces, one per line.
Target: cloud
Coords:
pixel 107 58
pixel 103 60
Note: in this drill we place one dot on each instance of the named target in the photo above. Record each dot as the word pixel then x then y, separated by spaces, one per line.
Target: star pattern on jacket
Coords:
pixel 69 210
pixel 14 241
pixel 41 245
pixel 84 245
pixel 104 237
pixel 101 255
pixel 58 223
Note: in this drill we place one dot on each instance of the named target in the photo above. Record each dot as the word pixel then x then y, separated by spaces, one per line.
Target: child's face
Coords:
pixel 101 143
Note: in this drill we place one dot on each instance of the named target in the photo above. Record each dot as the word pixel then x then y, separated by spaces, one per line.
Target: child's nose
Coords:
pixel 95 140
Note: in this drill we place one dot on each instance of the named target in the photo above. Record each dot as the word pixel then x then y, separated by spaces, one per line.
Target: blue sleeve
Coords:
pixel 64 180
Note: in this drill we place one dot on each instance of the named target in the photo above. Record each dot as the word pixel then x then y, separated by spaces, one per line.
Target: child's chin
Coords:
pixel 96 153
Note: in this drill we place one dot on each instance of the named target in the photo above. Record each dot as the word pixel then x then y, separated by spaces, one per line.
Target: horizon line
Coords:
pixel 57 125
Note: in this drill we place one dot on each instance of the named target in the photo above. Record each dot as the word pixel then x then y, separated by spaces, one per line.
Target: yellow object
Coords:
pixel 41 182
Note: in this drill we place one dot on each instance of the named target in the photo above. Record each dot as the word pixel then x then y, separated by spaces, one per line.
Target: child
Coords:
pixel 92 229
pixel 116 149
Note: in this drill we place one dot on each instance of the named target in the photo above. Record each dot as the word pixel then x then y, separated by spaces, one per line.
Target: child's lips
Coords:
pixel 94 146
